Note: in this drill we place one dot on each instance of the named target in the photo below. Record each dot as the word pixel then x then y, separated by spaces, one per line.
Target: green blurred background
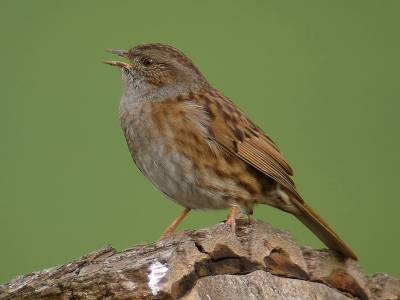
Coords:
pixel 320 77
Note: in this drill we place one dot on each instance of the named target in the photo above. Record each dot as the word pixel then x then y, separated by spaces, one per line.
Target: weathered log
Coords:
pixel 256 262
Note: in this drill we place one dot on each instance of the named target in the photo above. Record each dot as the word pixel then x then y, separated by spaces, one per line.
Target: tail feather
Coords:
pixel 322 230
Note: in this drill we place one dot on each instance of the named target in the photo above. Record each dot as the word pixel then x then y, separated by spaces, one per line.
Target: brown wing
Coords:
pixel 234 131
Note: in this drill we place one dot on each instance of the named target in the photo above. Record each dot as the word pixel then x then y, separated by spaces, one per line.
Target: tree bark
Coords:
pixel 256 262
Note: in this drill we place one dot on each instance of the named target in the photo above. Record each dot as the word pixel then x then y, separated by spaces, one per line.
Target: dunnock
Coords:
pixel 198 148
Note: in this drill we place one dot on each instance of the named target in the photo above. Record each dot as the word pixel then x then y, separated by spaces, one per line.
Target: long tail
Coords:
pixel 322 230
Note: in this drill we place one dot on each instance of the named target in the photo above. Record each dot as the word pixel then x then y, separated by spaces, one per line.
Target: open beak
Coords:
pixel 122 53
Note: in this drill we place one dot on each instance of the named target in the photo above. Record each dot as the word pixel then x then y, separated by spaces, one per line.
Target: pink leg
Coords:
pixel 170 230
pixel 231 218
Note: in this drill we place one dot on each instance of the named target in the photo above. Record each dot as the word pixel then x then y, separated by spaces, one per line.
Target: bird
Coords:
pixel 201 150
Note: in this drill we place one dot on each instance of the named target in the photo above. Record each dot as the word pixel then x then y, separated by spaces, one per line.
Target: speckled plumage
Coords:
pixel 198 148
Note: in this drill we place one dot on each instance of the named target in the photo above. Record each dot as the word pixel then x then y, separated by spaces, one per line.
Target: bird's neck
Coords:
pixel 137 91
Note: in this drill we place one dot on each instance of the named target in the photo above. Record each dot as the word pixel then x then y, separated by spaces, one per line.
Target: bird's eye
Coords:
pixel 148 62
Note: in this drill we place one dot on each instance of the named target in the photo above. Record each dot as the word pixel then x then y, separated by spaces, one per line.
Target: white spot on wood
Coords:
pixel 157 272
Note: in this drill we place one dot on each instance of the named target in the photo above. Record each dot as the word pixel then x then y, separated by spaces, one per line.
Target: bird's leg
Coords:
pixel 170 229
pixel 231 218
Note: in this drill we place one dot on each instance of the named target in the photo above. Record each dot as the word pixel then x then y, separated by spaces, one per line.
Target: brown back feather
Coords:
pixel 234 131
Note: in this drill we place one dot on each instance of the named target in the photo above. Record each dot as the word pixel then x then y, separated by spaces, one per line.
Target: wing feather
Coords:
pixel 235 132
